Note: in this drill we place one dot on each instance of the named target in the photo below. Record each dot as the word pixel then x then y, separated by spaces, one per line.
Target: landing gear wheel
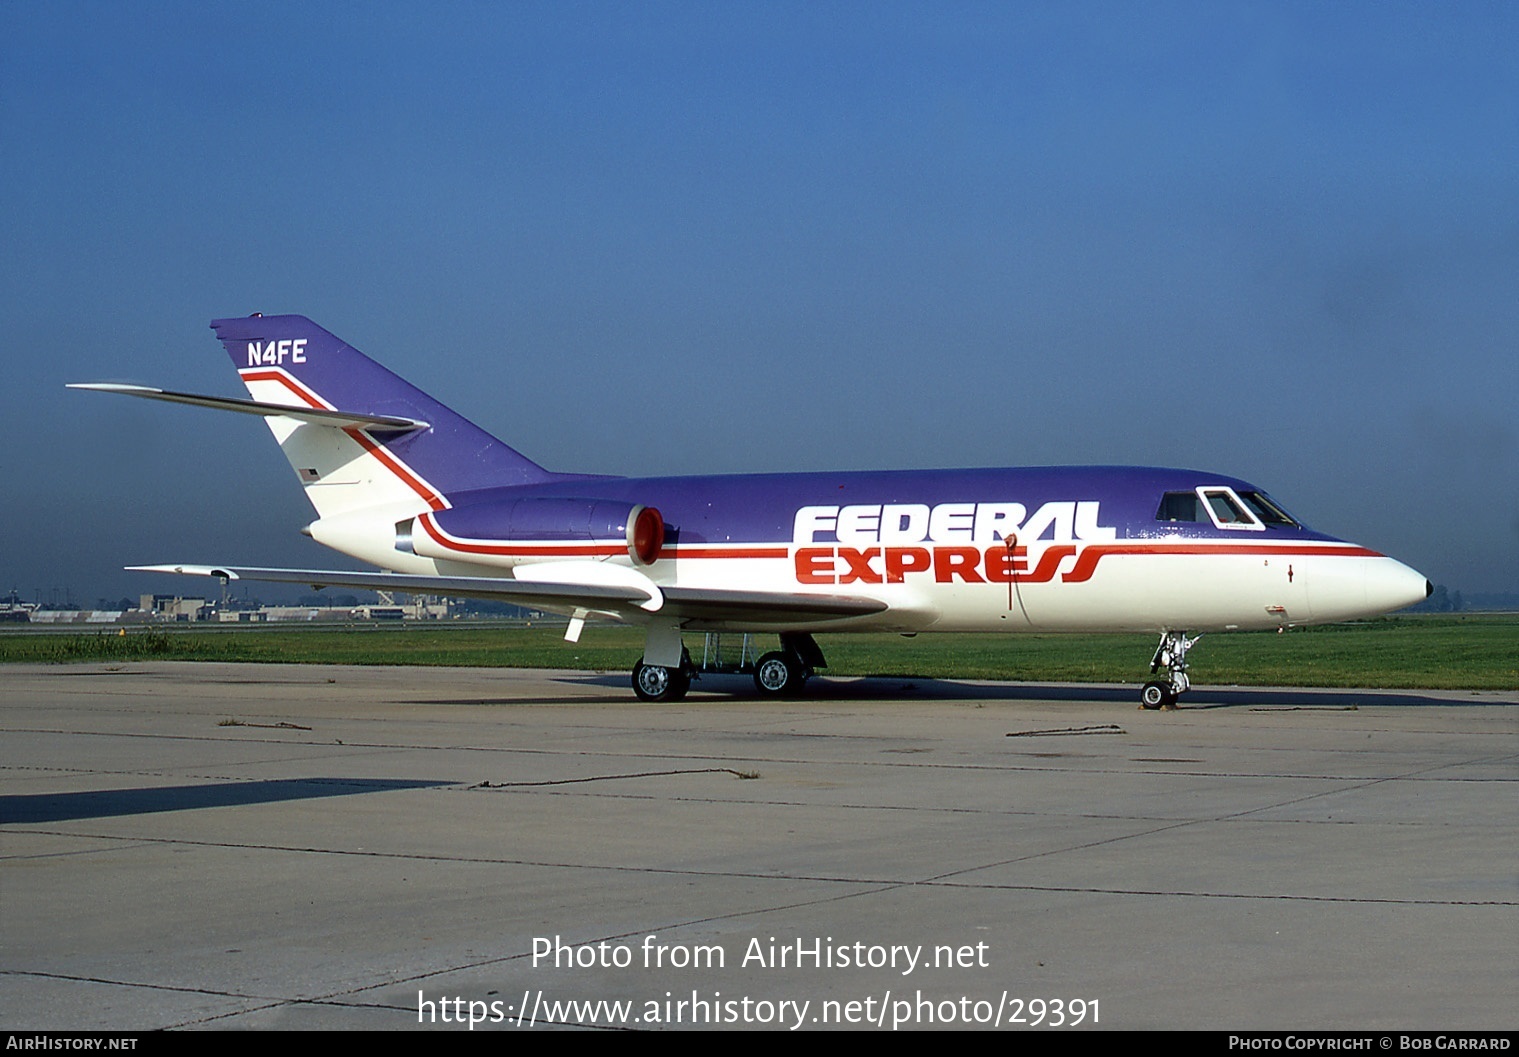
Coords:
pixel 654 683
pixel 779 675
pixel 1170 654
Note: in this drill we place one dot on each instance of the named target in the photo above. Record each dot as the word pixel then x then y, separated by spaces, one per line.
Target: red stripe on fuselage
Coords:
pixel 1050 555
pixel 1088 557
pixel 402 472
pixel 1006 565
pixel 588 549
pixel 529 550
pixel 390 462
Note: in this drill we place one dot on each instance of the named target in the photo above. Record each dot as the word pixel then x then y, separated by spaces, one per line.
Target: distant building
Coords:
pixel 175 608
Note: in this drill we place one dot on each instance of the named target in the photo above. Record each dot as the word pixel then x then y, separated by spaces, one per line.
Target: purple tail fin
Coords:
pixel 291 360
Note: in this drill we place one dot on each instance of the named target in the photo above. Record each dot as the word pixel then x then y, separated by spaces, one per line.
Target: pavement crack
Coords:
pixel 616 777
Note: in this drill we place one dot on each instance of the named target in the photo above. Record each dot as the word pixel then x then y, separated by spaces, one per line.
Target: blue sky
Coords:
pixel 1276 240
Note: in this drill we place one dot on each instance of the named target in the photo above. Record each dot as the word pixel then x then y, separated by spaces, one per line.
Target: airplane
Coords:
pixel 440 506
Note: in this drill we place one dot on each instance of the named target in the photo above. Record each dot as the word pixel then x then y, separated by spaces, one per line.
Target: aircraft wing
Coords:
pixel 703 605
pixel 631 600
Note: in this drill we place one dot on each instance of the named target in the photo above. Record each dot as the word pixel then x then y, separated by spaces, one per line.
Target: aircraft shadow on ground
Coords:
pixel 712 688
pixel 105 803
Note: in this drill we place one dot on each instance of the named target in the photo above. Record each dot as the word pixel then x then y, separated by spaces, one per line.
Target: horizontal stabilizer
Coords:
pixel 316 416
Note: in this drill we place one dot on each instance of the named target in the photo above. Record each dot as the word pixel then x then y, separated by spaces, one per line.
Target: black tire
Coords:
pixel 680 679
pixel 1156 694
pixel 778 675
pixel 654 683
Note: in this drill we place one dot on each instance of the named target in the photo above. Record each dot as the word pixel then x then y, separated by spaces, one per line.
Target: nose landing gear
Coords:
pixel 1171 655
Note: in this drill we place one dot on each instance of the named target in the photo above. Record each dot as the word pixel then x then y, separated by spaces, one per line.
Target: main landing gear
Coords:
pixel 780 673
pixel 1171 655
pixel 652 682
pixel 785 672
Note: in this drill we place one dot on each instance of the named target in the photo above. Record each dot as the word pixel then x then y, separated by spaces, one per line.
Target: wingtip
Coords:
pixel 185 570
pixel 112 387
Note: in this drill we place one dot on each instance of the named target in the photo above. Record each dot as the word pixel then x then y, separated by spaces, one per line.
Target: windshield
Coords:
pixel 1225 508
pixel 1265 508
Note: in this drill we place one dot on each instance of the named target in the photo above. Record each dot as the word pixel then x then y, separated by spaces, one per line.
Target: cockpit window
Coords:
pixel 1180 506
pixel 1225 510
pixel 1265 508
pixel 1222 507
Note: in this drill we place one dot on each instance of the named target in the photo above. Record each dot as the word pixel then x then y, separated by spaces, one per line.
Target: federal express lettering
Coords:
pixel 971 543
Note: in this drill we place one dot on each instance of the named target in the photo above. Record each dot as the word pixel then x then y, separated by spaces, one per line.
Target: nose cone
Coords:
pixel 1392 585
pixel 1353 587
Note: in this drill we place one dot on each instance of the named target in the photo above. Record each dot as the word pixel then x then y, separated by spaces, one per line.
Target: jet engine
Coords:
pixel 507 532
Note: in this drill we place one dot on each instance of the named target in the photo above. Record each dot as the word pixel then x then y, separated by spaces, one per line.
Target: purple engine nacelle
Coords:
pixel 506 531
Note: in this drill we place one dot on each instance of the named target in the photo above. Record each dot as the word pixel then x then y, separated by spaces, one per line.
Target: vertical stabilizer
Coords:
pixel 289 360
